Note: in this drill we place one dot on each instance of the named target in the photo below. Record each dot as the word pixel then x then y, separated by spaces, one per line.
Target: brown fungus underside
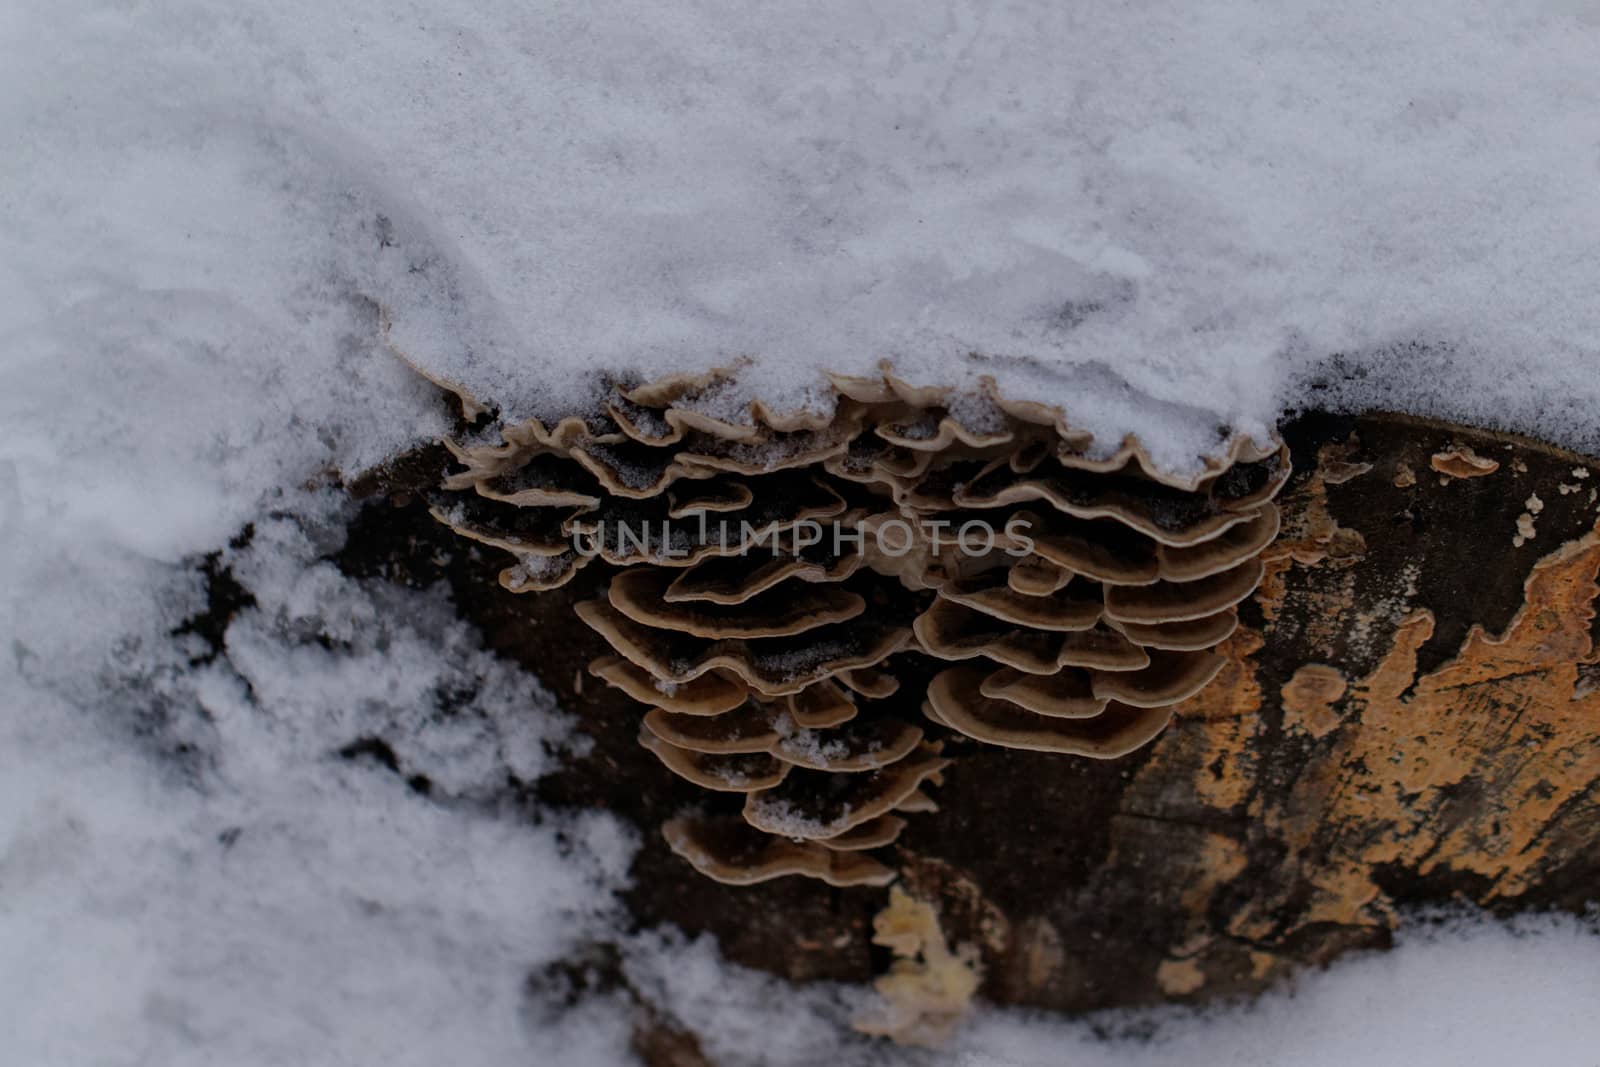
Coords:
pixel 770 579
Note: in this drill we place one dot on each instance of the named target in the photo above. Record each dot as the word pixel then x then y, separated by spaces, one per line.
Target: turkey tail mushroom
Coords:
pixel 754 571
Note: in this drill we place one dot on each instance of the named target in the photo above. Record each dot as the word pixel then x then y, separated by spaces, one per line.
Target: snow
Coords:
pixel 1166 218
pixel 1468 994
pixel 187 857
pixel 1163 217
pixel 1457 993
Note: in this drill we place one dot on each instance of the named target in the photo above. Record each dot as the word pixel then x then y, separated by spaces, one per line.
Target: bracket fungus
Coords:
pixel 769 582
pixel 1463 463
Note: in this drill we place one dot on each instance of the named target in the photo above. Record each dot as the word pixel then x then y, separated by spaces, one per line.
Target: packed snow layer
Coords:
pixel 1466 993
pixel 1166 217
pixel 1471 994
pixel 292 846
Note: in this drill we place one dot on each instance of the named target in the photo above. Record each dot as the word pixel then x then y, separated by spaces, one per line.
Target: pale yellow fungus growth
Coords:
pixel 929 987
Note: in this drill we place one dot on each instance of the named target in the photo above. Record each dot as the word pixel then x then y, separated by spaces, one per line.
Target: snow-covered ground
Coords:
pixel 1164 216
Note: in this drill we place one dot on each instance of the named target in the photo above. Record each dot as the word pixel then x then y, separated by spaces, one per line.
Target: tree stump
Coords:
pixel 1410 715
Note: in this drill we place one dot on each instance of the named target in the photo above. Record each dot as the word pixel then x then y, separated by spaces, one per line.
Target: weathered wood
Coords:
pixel 1410 714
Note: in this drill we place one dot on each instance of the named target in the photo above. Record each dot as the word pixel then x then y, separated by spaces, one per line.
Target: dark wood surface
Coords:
pixel 1263 832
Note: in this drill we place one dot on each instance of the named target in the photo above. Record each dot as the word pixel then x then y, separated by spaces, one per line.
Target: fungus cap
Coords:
pixel 958 702
pixel 741 773
pixel 712 693
pixel 760 656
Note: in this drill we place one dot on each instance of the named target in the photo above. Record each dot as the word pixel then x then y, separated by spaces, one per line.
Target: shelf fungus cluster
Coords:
pixel 808 607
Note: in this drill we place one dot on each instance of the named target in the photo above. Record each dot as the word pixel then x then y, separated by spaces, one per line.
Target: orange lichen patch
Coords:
pixel 1308 699
pixel 1220 859
pixel 1219 724
pixel 1466 769
pixel 1329 612
pixel 929 987
pixel 1179 978
pixel 1523 681
pixel 1463 463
